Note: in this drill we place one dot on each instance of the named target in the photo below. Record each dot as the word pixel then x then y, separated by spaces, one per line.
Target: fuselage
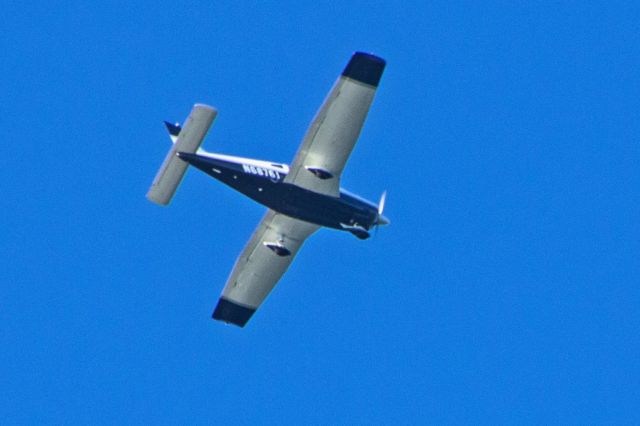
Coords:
pixel 263 182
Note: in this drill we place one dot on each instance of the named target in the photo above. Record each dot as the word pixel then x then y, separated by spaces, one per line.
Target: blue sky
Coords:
pixel 506 289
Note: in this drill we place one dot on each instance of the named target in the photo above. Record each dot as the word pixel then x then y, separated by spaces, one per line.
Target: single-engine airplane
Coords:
pixel 301 197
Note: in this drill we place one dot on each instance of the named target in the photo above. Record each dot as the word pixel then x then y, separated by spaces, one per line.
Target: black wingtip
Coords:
pixel 232 313
pixel 365 68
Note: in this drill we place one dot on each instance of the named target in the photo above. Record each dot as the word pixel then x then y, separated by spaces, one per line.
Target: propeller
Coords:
pixel 381 219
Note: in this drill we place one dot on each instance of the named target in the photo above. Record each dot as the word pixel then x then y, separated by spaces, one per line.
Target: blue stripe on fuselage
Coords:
pixel 265 185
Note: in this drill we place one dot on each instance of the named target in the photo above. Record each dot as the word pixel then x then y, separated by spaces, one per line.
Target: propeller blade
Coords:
pixel 381 219
pixel 381 203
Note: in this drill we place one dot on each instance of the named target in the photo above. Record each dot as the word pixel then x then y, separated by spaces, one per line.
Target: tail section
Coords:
pixel 187 139
pixel 174 130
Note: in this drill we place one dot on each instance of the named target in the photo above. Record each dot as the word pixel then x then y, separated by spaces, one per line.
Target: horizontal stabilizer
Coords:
pixel 189 140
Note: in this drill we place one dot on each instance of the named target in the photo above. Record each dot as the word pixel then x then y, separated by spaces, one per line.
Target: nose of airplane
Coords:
pixel 383 220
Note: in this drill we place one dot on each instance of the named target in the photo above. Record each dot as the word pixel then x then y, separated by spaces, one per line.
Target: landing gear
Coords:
pixel 360 233
pixel 278 247
pixel 356 230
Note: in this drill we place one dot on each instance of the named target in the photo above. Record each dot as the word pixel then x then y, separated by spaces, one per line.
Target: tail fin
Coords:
pixel 187 140
pixel 174 130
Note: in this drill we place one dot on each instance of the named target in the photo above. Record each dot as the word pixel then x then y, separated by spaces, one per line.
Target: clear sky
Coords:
pixel 506 289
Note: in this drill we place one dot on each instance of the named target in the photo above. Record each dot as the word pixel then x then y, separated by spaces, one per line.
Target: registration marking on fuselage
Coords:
pixel 260 171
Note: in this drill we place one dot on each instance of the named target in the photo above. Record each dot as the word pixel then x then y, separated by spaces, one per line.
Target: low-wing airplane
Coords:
pixel 300 198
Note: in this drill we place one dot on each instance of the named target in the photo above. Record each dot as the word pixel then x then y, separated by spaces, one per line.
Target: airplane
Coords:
pixel 301 197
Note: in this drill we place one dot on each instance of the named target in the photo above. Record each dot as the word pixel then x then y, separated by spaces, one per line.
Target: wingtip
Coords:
pixel 369 57
pixel 365 68
pixel 232 313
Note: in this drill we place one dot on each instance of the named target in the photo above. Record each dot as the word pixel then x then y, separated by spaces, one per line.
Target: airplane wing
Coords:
pixel 334 130
pixel 263 261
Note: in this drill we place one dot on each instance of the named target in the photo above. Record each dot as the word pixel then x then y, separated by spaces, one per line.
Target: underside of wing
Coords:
pixel 260 266
pixel 334 130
